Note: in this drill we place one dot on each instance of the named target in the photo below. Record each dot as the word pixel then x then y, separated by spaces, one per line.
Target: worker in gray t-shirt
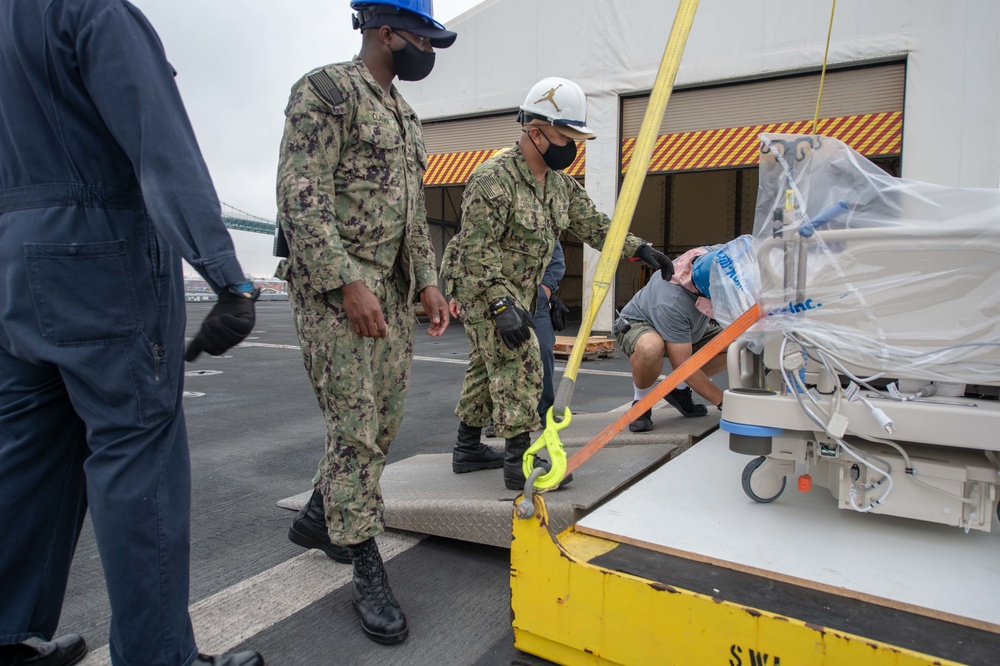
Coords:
pixel 672 320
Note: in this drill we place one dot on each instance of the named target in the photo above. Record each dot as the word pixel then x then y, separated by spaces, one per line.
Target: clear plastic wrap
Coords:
pixel 888 275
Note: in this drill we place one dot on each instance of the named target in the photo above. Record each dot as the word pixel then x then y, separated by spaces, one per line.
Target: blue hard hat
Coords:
pixel 701 272
pixel 416 16
pixel 422 8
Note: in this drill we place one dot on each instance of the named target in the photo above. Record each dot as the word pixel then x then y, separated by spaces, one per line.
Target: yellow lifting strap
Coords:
pixel 822 76
pixel 613 243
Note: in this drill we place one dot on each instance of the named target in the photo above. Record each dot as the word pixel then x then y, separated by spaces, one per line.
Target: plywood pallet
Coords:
pixel 598 346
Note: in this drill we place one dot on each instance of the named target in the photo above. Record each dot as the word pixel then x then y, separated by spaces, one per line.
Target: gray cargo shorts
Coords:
pixel 628 331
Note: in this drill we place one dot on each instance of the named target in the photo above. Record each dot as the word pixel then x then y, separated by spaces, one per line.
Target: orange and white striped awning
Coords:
pixel 455 168
pixel 871 134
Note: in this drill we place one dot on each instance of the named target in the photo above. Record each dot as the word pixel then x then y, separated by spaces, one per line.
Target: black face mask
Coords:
pixel 556 157
pixel 412 64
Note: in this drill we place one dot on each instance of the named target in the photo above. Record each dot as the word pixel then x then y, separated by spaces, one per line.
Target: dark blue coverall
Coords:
pixel 102 190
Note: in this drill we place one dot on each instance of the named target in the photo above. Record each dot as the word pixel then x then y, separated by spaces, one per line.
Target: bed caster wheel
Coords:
pixel 761 480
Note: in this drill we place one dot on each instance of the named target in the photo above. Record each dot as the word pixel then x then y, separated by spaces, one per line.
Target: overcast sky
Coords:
pixel 236 61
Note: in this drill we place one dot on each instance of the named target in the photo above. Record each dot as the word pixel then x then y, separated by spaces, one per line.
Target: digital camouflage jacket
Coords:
pixel 510 224
pixel 350 183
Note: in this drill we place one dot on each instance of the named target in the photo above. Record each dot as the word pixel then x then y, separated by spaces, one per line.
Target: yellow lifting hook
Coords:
pixel 550 441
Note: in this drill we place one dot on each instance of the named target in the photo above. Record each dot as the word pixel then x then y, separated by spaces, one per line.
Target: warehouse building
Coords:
pixel 912 85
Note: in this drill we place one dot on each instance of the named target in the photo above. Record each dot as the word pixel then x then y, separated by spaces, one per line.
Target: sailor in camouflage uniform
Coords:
pixel 351 207
pixel 515 206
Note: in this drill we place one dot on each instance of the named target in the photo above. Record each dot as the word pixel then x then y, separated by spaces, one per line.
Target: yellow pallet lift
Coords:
pixel 572 605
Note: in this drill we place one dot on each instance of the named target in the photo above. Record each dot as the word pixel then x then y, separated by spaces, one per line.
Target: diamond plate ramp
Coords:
pixel 669 426
pixel 423 495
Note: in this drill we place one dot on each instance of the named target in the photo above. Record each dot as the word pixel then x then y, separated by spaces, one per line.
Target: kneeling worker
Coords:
pixel 672 319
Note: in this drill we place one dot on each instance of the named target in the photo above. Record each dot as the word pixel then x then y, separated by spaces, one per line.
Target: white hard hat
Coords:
pixel 560 102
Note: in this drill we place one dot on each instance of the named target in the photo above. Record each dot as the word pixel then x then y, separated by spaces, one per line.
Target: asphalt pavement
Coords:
pixel 256 435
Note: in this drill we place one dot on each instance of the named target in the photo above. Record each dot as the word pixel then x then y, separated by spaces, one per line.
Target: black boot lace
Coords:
pixel 370 569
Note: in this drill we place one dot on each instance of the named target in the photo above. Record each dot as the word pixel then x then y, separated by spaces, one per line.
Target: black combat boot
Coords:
pixel 381 617
pixel 470 454
pixel 513 474
pixel 309 530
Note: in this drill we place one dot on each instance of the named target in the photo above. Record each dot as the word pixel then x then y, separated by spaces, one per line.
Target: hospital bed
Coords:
pixel 875 370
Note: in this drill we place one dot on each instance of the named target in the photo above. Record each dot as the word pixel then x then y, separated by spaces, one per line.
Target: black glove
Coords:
pixel 557 312
pixel 226 325
pixel 511 321
pixel 656 259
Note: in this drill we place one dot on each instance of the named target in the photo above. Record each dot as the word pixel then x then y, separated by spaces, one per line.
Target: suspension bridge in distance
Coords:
pixel 239 220
pixel 197 289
